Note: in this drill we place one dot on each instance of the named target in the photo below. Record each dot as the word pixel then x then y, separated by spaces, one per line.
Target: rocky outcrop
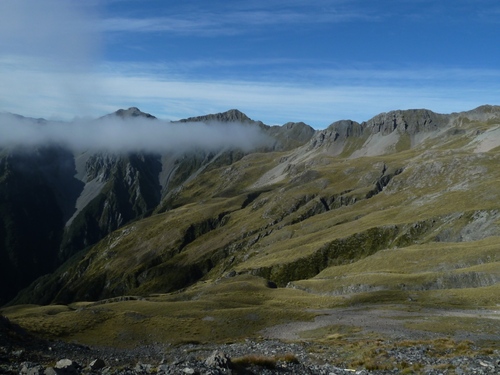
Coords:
pixel 411 121
pixel 286 137
pixel 335 135
pixel 129 189
pixel 290 135
pixel 346 128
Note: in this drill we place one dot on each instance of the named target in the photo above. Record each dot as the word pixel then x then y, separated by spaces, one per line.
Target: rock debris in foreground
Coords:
pixel 249 357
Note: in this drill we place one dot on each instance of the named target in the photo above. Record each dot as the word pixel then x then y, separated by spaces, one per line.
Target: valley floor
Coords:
pixel 381 339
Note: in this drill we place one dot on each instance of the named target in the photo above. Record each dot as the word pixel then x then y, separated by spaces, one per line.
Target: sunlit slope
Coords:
pixel 347 194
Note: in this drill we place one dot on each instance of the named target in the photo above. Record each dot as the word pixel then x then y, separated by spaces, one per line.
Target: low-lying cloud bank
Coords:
pixel 114 134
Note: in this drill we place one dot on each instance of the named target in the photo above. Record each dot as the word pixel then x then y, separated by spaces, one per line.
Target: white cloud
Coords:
pixel 132 134
pixel 209 23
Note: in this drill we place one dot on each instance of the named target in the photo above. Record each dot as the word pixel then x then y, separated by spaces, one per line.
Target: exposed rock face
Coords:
pixel 334 137
pixel 411 121
pixel 347 128
pixel 287 137
pixel 128 187
pixel 290 135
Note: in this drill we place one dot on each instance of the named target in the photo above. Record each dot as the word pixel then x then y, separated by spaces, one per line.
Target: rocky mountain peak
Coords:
pixel 339 130
pixel 299 130
pixel 412 121
pixel 133 112
pixel 347 128
pixel 482 113
pixel 233 115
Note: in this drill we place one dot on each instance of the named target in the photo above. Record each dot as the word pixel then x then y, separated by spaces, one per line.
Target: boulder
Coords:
pixel 66 367
pixel 97 364
pixel 29 368
pixel 219 359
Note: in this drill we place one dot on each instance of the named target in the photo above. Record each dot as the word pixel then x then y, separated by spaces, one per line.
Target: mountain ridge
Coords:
pixel 95 192
pixel 237 190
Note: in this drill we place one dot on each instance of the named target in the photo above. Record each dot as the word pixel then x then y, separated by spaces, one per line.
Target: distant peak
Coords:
pixel 132 112
pixel 233 115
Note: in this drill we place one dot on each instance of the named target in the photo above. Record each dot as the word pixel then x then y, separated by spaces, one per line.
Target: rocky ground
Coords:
pixel 21 353
pixel 249 357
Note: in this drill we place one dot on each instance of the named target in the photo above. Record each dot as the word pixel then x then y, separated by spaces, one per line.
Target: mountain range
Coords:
pixel 56 202
pixel 405 203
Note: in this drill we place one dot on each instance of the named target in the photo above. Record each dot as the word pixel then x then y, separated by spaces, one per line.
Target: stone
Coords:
pixel 163 369
pixel 25 366
pixel 30 368
pixel 219 359
pixel 142 368
pixel 97 364
pixel 231 274
pixel 271 284
pixel 35 370
pixel 66 367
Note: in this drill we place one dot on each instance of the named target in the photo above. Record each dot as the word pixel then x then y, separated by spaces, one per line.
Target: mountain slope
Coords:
pixel 408 180
pixel 57 201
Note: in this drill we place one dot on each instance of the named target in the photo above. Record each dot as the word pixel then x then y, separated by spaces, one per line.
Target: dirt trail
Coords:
pixel 386 321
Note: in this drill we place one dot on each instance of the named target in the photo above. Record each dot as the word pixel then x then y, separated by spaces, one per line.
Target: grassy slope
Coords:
pixel 219 311
pixel 362 250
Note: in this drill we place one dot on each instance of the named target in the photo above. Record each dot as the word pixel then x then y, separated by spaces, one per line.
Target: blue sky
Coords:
pixel 277 61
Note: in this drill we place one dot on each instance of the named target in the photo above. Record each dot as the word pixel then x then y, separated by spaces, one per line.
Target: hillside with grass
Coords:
pixel 402 211
pixel 57 201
